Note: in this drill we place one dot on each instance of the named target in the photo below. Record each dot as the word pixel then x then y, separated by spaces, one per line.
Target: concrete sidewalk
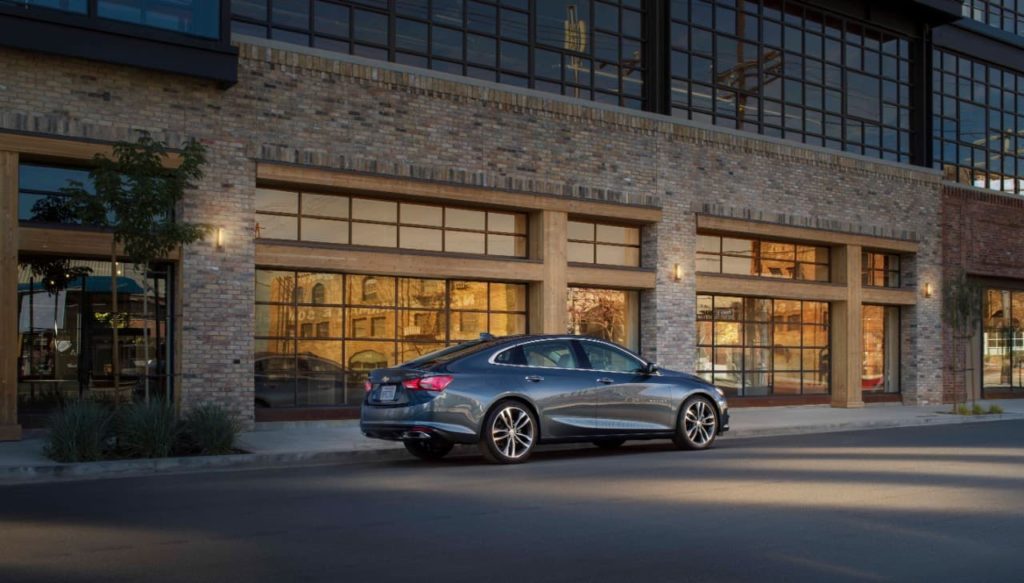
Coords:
pixel 280 444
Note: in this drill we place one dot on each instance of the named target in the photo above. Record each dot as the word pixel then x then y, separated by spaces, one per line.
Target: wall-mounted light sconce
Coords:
pixel 928 290
pixel 677 272
pixel 220 237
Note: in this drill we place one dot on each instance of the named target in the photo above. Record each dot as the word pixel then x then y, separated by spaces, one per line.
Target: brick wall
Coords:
pixel 982 236
pixel 304 107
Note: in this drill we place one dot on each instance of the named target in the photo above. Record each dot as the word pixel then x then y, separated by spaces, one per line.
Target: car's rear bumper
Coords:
pixel 414 431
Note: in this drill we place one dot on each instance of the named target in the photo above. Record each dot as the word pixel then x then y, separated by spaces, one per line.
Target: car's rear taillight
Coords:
pixel 432 383
pixel 368 386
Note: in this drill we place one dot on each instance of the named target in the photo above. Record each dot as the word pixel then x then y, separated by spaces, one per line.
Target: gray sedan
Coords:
pixel 510 394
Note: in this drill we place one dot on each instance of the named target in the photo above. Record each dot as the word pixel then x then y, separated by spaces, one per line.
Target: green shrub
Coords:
pixel 995 409
pixel 977 410
pixel 208 429
pixel 78 432
pixel 148 430
pixel 963 410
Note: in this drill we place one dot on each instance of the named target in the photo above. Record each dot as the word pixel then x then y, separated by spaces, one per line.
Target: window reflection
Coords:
pixel 1003 339
pixel 607 314
pixel 587 49
pixel 759 346
pixel 762 258
pixel 315 342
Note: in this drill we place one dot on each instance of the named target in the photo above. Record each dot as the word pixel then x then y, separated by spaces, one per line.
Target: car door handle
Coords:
pixel 605 381
pixel 534 378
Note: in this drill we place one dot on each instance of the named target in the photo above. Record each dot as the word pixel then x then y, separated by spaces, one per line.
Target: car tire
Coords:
pixel 697 427
pixel 430 449
pixel 610 443
pixel 509 434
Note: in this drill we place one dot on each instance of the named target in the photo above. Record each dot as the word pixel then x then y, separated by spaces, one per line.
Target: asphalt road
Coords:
pixel 925 504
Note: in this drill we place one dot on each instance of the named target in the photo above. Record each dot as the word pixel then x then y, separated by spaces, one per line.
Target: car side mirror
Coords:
pixel 651 368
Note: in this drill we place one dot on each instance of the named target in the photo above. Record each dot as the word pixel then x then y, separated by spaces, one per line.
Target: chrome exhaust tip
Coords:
pixel 415 435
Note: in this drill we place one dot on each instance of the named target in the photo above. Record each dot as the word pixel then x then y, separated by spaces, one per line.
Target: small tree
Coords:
pixel 961 312
pixel 136 195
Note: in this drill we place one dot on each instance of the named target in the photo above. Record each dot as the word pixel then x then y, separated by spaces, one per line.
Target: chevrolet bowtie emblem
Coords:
pixel 386 379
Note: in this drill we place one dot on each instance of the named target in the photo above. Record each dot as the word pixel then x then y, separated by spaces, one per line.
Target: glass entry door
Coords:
pixel 880 367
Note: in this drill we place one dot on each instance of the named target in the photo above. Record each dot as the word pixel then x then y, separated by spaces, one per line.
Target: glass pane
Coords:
pixel 275 320
pixel 507 324
pixel 375 235
pixel 465 219
pixel 277 201
pixel 421 293
pixel 618 235
pixel 468 295
pixel 615 255
pixel 366 209
pixel 581 231
pixel 318 321
pixel 371 290
pixel 275 373
pixel 325 231
pixel 274 286
pixel 468 325
pixel 463 242
pixel 426 326
pixel 277 227
pixel 325 206
pixel 506 223
pixel 421 214
pixel 324 288
pixel 419 238
pixel 362 357
pixel 508 297
pixel 581 252
pixel 371 323
pixel 603 313
pixel 506 245
pixel 413 350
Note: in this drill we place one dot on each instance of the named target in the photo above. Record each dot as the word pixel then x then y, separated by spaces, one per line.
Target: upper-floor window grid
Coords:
pixel 604 244
pixel 762 258
pixel 192 17
pixel 1006 15
pixel 344 220
pixel 581 48
pixel 978 123
pixel 790 71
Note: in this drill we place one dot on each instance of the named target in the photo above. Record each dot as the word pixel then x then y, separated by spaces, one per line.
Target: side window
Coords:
pixel 550 354
pixel 513 355
pixel 604 357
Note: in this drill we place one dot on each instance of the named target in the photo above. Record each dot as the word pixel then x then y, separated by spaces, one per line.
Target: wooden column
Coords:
pixel 847 329
pixel 9 428
pixel 548 242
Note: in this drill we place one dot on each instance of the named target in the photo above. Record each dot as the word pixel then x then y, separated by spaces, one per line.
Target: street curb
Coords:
pixel 930 419
pixel 47 473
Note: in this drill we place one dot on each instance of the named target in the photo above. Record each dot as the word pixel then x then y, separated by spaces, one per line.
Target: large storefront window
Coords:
pixel 1007 15
pixel 318 334
pixel 1003 339
pixel 785 69
pixel 587 49
pixel 65 334
pixel 880 371
pixel 761 346
pixel 608 314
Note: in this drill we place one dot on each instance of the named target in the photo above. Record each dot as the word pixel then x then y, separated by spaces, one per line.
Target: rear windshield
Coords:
pixel 449 354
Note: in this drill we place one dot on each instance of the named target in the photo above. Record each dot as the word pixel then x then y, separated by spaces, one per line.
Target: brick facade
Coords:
pixel 315 109
pixel 981 236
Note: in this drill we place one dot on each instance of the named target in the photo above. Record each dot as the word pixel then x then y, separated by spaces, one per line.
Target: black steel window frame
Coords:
pixel 745 346
pixel 756 256
pixel 522 238
pixel 512 35
pixel 1005 15
pixel 977 122
pixel 395 339
pixel 92 14
pixel 812 100
pixel 888 274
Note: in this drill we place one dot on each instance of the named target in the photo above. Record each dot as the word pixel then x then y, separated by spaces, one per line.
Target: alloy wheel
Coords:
pixel 699 423
pixel 512 432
